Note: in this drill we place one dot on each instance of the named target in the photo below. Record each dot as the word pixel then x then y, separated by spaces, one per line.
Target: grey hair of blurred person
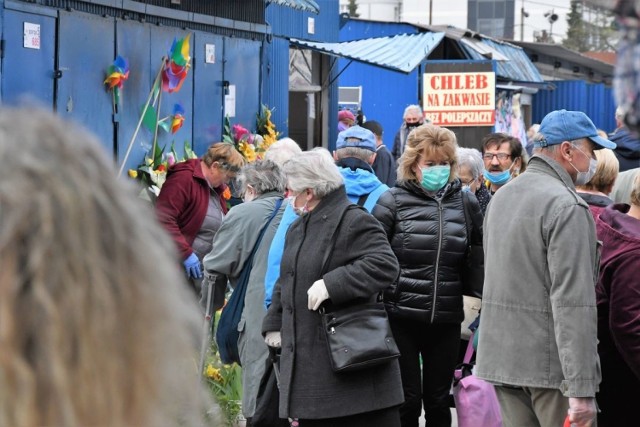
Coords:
pixel 282 150
pixel 263 176
pixel 314 170
pixel 471 158
pixel 85 271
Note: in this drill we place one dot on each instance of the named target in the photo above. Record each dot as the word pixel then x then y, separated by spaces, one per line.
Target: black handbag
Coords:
pixel 227 332
pixel 472 274
pixel 358 335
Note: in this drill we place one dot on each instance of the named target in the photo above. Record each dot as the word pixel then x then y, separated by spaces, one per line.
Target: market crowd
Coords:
pixel 530 261
pixel 538 250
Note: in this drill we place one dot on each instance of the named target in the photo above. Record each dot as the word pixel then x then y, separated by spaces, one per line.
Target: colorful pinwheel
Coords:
pixel 176 66
pixel 117 74
pixel 178 118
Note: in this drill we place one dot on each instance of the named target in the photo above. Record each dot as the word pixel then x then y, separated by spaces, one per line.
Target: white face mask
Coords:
pixel 298 211
pixel 584 177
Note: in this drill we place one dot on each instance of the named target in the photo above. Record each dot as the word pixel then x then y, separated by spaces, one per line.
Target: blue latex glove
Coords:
pixel 192 265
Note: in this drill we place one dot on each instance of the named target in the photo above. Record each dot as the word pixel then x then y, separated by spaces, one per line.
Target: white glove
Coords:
pixel 317 294
pixel 582 411
pixel 273 339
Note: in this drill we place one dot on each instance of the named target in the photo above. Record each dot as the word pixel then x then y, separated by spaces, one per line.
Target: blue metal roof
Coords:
pixel 518 68
pixel 402 52
pixel 306 5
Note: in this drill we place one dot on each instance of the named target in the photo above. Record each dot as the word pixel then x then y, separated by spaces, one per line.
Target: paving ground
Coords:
pixel 453 416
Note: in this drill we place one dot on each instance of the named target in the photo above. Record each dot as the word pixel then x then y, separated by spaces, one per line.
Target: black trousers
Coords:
pixel 387 417
pixel 438 345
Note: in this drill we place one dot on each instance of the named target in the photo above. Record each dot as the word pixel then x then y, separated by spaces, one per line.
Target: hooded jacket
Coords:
pixel 359 180
pixel 183 202
pixel 627 150
pixel 618 288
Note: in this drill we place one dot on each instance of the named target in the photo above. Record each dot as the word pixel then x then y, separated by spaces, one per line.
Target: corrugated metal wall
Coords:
pixel 595 100
pixel 78 94
pixel 275 81
pixel 288 22
pixel 385 93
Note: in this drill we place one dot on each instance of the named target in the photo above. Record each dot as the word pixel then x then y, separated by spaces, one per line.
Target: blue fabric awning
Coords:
pixel 402 52
pixel 306 5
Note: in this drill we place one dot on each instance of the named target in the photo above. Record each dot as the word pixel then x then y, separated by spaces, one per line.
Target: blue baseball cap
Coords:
pixel 356 136
pixel 562 125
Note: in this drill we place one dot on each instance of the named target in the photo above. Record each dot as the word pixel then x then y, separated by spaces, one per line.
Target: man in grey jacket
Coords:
pixel 538 338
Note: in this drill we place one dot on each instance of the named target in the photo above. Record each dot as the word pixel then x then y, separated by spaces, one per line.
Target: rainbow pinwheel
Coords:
pixel 117 74
pixel 178 118
pixel 176 65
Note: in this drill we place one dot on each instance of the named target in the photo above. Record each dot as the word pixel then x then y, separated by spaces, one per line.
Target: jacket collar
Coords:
pixel 545 164
pixel 353 164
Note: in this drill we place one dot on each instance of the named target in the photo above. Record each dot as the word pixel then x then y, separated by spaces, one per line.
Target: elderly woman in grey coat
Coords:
pixel 361 265
pixel 262 184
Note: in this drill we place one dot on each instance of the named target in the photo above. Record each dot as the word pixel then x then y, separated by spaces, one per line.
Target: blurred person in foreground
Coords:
pixel 411 119
pixel 538 334
pixel 191 204
pixel 426 223
pixel 262 184
pixel 504 159
pixel 618 299
pixel 596 191
pixel 98 328
pixel 470 172
pixel 384 166
pixel 359 266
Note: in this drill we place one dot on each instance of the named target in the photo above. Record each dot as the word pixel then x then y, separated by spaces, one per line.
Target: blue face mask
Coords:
pixel 498 178
pixel 435 177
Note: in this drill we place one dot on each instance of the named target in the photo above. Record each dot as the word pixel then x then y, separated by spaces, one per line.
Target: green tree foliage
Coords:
pixel 589 29
pixel 352 7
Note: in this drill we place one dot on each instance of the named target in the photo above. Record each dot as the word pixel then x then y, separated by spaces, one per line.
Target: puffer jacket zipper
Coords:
pixel 435 278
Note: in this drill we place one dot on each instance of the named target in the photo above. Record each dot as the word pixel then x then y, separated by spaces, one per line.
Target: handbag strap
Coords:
pixel 249 263
pixel 470 350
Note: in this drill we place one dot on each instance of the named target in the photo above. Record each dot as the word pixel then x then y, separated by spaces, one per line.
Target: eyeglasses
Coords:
pixel 501 156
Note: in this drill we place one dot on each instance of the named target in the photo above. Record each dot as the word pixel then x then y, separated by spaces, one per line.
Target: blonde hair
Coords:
pixel 606 172
pixel 635 191
pixel 428 140
pixel 225 154
pixel 98 327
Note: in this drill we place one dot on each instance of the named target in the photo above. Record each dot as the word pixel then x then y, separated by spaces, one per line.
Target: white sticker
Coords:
pixel 230 101
pixel 210 53
pixel 31 36
pixel 311 25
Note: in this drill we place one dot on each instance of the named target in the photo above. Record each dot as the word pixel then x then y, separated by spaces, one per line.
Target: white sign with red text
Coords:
pixel 460 99
pixel 31 36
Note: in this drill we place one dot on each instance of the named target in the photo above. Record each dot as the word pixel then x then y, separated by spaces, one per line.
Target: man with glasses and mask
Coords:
pixel 504 159
pixel 412 118
pixel 538 334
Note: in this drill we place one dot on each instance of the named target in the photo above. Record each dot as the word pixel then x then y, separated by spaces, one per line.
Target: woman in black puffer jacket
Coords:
pixel 426 223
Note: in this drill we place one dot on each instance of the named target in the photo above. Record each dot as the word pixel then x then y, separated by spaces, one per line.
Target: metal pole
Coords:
pixel 430 10
pixel 522 22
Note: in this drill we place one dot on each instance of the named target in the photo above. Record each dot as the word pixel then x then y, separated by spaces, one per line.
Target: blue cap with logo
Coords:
pixel 356 136
pixel 562 125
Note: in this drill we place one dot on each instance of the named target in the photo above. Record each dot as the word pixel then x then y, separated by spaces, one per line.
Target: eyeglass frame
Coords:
pixel 489 156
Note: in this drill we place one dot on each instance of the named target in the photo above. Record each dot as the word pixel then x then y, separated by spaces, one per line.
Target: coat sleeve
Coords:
pixel 624 309
pixel 396 146
pixel 571 257
pixel 359 271
pixel 385 212
pixel 273 319
pixel 172 201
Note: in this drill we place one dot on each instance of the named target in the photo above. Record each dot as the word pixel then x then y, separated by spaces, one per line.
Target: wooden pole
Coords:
pixel 144 111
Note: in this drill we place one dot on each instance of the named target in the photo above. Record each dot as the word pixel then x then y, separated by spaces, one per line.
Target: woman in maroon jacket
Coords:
pixel 618 299
pixel 191 204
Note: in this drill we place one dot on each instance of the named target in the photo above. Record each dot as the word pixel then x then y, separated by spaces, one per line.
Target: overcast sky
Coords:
pixel 454 12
